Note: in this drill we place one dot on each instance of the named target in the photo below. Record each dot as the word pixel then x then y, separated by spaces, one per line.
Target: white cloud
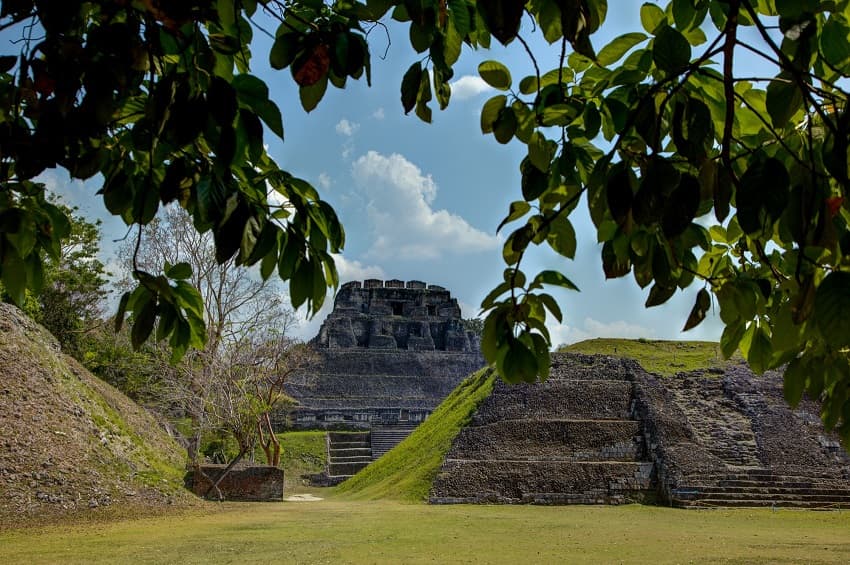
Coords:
pixel 352 270
pixel 402 220
pixel 324 180
pixel 468 86
pixel 348 149
pixel 347 128
pixel 378 114
pixel 590 328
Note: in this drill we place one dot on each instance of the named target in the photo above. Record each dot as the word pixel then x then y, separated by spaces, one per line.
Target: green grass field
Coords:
pixel 344 531
pixel 662 357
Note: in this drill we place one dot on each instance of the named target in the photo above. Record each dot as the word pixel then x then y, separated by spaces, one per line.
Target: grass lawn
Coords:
pixel 663 357
pixel 345 531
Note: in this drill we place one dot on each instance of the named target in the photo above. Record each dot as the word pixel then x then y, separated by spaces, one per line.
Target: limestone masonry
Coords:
pixel 391 352
pixel 601 430
pixel 395 315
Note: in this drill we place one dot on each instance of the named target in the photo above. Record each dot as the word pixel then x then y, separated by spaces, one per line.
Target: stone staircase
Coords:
pixel 570 440
pixel 717 422
pixel 348 453
pixel 385 437
pixel 760 488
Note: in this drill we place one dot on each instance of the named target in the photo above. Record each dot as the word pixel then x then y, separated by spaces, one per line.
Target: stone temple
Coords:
pixel 390 351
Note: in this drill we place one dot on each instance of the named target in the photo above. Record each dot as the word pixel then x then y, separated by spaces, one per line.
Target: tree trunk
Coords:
pixel 224 473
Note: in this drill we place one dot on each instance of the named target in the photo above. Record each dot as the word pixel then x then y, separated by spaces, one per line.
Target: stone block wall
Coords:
pixel 257 483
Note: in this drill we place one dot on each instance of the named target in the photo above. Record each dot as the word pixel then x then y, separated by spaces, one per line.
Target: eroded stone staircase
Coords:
pixel 348 453
pixel 570 440
pixel 760 488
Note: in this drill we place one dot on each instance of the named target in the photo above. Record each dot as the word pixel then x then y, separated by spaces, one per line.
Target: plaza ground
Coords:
pixel 336 530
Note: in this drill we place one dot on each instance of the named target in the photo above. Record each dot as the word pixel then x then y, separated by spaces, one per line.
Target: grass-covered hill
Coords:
pixel 662 357
pixel 70 443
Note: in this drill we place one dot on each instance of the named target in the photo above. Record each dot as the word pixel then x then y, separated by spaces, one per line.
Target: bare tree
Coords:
pixel 210 385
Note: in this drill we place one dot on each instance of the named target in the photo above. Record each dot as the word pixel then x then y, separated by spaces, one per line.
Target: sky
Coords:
pixel 422 201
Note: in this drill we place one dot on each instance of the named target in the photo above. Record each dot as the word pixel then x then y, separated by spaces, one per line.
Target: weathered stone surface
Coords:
pixel 256 483
pixel 696 439
pixel 710 435
pixel 395 315
pixel 570 440
pixel 391 352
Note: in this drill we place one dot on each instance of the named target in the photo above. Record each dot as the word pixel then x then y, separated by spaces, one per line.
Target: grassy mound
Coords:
pixel 406 472
pixel 71 442
pixel 662 357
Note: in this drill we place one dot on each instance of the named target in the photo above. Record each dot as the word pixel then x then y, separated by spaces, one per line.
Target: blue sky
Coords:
pixel 422 201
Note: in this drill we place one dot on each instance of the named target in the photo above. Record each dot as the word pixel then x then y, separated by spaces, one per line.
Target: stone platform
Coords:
pixel 601 430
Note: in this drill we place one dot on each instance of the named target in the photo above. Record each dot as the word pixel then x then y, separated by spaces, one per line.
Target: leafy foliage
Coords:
pixel 652 131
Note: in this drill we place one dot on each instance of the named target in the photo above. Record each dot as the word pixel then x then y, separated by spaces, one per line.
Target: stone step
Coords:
pixel 812 496
pixel 771 490
pixel 337 469
pixel 356 459
pixel 350 451
pixel 721 503
pixel 384 438
pixel 515 480
pixel 577 440
pixel 589 400
pixel 348 437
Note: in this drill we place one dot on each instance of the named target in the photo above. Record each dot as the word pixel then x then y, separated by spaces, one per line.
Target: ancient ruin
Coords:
pixel 390 353
pixel 601 430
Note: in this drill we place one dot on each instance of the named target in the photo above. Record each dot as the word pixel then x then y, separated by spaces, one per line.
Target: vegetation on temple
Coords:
pixel 653 130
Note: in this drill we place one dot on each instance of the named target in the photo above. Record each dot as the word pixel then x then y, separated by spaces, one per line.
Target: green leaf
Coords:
pixel 794 381
pixel 539 151
pixel 410 87
pixel 502 18
pixel 14 276
pixel 681 207
pixel 301 283
pixel 832 309
pixel 554 278
pixel 505 127
pixel 698 312
pixel 284 50
pixel 671 52
pixel 618 47
pixel 755 345
pixel 144 316
pixel 659 294
pixel 835 42
pixel 784 100
pixel 562 237
pixel 684 13
pixel 533 183
pixel 763 194
pixel 651 17
pixel 490 112
pixel 550 19
pixel 552 306
pixel 495 74
pixel 423 97
pixel 730 338
pixel 310 96
pixel 122 309
pixel 179 271
pixel 519 364
pixel 517 210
